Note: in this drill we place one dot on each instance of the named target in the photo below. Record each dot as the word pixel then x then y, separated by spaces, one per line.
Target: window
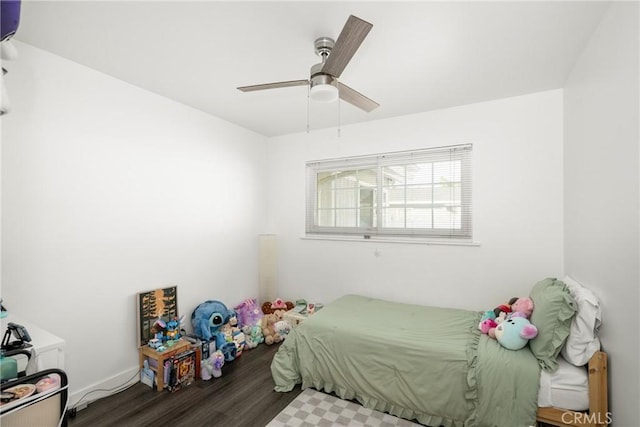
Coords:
pixel 420 193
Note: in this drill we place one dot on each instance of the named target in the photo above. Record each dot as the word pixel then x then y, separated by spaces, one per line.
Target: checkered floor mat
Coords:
pixel 314 408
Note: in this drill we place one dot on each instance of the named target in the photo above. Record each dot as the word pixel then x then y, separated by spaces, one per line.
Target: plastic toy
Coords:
pixel 167 332
pixel 515 332
pixel 173 328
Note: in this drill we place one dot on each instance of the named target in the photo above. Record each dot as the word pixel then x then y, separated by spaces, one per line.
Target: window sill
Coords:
pixel 380 239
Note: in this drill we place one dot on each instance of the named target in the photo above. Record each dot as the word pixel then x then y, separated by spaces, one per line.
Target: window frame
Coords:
pixel 378 162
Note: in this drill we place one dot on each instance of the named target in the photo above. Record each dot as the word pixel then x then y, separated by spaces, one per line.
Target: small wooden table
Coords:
pixel 161 356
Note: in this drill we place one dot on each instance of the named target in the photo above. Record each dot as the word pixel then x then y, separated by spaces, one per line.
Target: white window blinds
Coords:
pixel 419 193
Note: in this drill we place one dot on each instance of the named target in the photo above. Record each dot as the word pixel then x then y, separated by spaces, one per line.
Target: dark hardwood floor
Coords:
pixel 243 396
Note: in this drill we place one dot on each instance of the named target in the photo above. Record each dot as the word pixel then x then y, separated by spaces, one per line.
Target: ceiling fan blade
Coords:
pixel 349 40
pixel 354 97
pixel 276 85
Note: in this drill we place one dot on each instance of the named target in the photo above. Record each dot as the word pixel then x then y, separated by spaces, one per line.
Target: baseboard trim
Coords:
pixel 104 388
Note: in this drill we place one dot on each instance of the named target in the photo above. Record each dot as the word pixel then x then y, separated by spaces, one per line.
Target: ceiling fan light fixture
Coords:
pixel 323 88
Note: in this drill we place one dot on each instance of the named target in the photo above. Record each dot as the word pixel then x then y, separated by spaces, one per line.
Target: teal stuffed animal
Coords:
pixel 515 332
pixel 253 336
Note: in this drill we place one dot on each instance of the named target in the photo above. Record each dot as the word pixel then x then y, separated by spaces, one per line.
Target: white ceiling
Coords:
pixel 419 56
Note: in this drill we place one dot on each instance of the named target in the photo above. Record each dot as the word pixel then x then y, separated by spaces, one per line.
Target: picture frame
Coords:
pixel 152 305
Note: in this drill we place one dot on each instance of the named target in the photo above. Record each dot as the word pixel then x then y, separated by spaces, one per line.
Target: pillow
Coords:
pixel 583 340
pixel 552 313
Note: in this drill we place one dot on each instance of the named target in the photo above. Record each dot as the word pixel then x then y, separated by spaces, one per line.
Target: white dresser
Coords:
pixel 48 348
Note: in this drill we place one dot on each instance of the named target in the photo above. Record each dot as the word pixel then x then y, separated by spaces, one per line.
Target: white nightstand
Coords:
pixel 48 348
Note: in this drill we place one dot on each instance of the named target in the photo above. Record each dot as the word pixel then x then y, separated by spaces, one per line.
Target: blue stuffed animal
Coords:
pixel 515 332
pixel 208 318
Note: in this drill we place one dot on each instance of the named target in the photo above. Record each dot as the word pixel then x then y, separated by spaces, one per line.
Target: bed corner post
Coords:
pixel 598 389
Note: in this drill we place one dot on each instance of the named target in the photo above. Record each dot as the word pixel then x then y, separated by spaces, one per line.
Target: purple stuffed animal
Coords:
pixel 249 313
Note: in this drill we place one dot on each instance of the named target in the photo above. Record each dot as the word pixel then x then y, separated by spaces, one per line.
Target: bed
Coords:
pixel 432 364
pixel 570 409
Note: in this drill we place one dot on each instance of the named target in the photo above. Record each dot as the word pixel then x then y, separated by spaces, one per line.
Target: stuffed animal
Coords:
pixel 492 318
pixel 249 313
pixel 522 307
pixel 253 335
pixel 515 332
pixel 206 368
pixel 269 330
pixel 282 327
pixel 504 308
pixel 208 318
pixel 279 314
pixel 277 304
pixel 218 362
pixel 486 325
pixel 212 366
pixel 311 308
pixel 489 321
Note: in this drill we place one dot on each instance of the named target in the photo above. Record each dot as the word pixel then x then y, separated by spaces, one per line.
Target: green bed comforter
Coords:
pixel 425 363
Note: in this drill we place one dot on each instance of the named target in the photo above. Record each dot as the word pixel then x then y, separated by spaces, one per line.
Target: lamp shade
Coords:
pixel 324 93
pixel 323 88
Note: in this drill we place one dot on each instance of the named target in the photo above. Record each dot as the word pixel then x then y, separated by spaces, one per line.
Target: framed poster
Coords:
pixel 154 305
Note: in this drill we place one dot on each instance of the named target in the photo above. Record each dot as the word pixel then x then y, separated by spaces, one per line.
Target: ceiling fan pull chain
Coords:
pixel 339 102
pixel 308 101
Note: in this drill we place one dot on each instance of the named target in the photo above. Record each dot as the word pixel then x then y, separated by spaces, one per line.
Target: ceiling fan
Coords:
pixel 323 81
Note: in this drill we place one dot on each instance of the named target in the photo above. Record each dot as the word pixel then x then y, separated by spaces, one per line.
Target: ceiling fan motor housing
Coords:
pixel 323 87
pixel 323 46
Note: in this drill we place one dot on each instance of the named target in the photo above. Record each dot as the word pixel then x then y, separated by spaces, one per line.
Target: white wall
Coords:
pixel 517 208
pixel 601 192
pixel 109 190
